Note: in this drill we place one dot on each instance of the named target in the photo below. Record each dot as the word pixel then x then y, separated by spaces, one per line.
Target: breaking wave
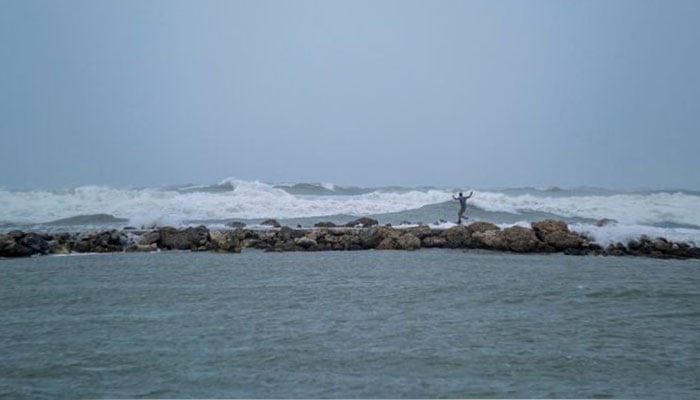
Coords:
pixel 672 214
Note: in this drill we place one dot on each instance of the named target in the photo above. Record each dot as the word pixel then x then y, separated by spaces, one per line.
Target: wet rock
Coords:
pixel 408 241
pixel 456 237
pixel 306 243
pixel 481 226
pixel 422 231
pixel 490 239
pixel 364 222
pixel 326 224
pixel 227 241
pixel 372 237
pixel 521 240
pixel 61 243
pixel 99 242
pixel 557 235
pixel 235 224
pixel 434 241
pixel 19 244
pixel 616 249
pixel 605 222
pixel 149 238
pixel 195 239
pixel 287 234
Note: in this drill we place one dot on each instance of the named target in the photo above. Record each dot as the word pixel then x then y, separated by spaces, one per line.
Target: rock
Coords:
pixel 184 239
pixel 617 249
pixel 99 242
pixel 371 238
pixel 521 240
pixel 422 231
pixel 364 222
pixel 149 238
pixel 7 242
pixel 557 235
pixel 408 241
pixel 227 241
pixel 326 224
pixel 434 241
pixel 271 222
pixel 456 237
pixel 481 226
pixel 236 224
pixel 490 239
pixel 35 242
pixel 605 222
pixel 306 243
pixel 388 243
pixel 10 246
pixel 60 244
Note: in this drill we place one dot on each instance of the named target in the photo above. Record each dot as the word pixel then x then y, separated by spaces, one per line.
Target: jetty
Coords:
pixel 547 236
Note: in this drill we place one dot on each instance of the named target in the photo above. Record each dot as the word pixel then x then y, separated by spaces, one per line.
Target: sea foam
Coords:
pixel 675 215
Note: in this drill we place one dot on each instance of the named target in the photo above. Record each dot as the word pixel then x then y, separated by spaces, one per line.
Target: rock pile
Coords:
pixel 547 236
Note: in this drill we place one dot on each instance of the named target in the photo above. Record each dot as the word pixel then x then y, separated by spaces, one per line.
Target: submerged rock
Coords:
pixel 364 222
pixel 271 222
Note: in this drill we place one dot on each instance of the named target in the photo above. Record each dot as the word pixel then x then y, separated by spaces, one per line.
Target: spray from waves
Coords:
pixel 244 199
pixel 639 208
pixel 675 215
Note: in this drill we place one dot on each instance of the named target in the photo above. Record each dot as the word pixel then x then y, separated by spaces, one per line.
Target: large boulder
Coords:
pixel 456 237
pixel 372 237
pixel 521 240
pixel 408 241
pixel 481 226
pixel 338 239
pixel 185 239
pixel 21 244
pixel 489 239
pixel 99 242
pixel 422 231
pixel 557 235
pixel 306 243
pixel 227 241
pixel 433 241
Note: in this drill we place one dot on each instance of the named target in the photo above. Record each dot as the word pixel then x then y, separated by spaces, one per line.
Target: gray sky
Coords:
pixel 446 93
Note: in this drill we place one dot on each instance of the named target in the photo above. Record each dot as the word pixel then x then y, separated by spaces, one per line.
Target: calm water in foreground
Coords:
pixel 429 323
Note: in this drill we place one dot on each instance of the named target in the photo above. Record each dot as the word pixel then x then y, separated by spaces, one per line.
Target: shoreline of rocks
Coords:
pixel 548 236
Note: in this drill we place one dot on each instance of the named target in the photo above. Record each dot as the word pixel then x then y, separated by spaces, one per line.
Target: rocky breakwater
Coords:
pixel 549 236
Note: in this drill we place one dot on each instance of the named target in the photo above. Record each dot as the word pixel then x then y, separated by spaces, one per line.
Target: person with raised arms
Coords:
pixel 462 205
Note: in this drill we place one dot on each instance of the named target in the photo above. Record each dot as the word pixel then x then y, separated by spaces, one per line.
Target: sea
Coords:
pixel 432 323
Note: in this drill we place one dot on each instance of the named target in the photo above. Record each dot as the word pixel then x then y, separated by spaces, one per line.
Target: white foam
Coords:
pixel 258 200
pixel 248 200
pixel 614 233
pixel 680 208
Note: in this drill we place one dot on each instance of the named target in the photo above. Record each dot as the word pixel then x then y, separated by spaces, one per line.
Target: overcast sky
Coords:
pixel 445 93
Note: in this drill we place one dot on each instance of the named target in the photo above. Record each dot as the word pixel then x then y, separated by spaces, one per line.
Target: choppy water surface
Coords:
pixel 431 323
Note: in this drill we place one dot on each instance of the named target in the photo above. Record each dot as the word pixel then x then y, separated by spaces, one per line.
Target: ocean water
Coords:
pixel 430 323
pixel 673 214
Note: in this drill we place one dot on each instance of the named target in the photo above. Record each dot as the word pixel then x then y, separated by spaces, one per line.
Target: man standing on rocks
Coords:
pixel 462 205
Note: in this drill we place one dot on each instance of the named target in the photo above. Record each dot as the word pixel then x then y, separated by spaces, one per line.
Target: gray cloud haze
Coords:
pixel 478 93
